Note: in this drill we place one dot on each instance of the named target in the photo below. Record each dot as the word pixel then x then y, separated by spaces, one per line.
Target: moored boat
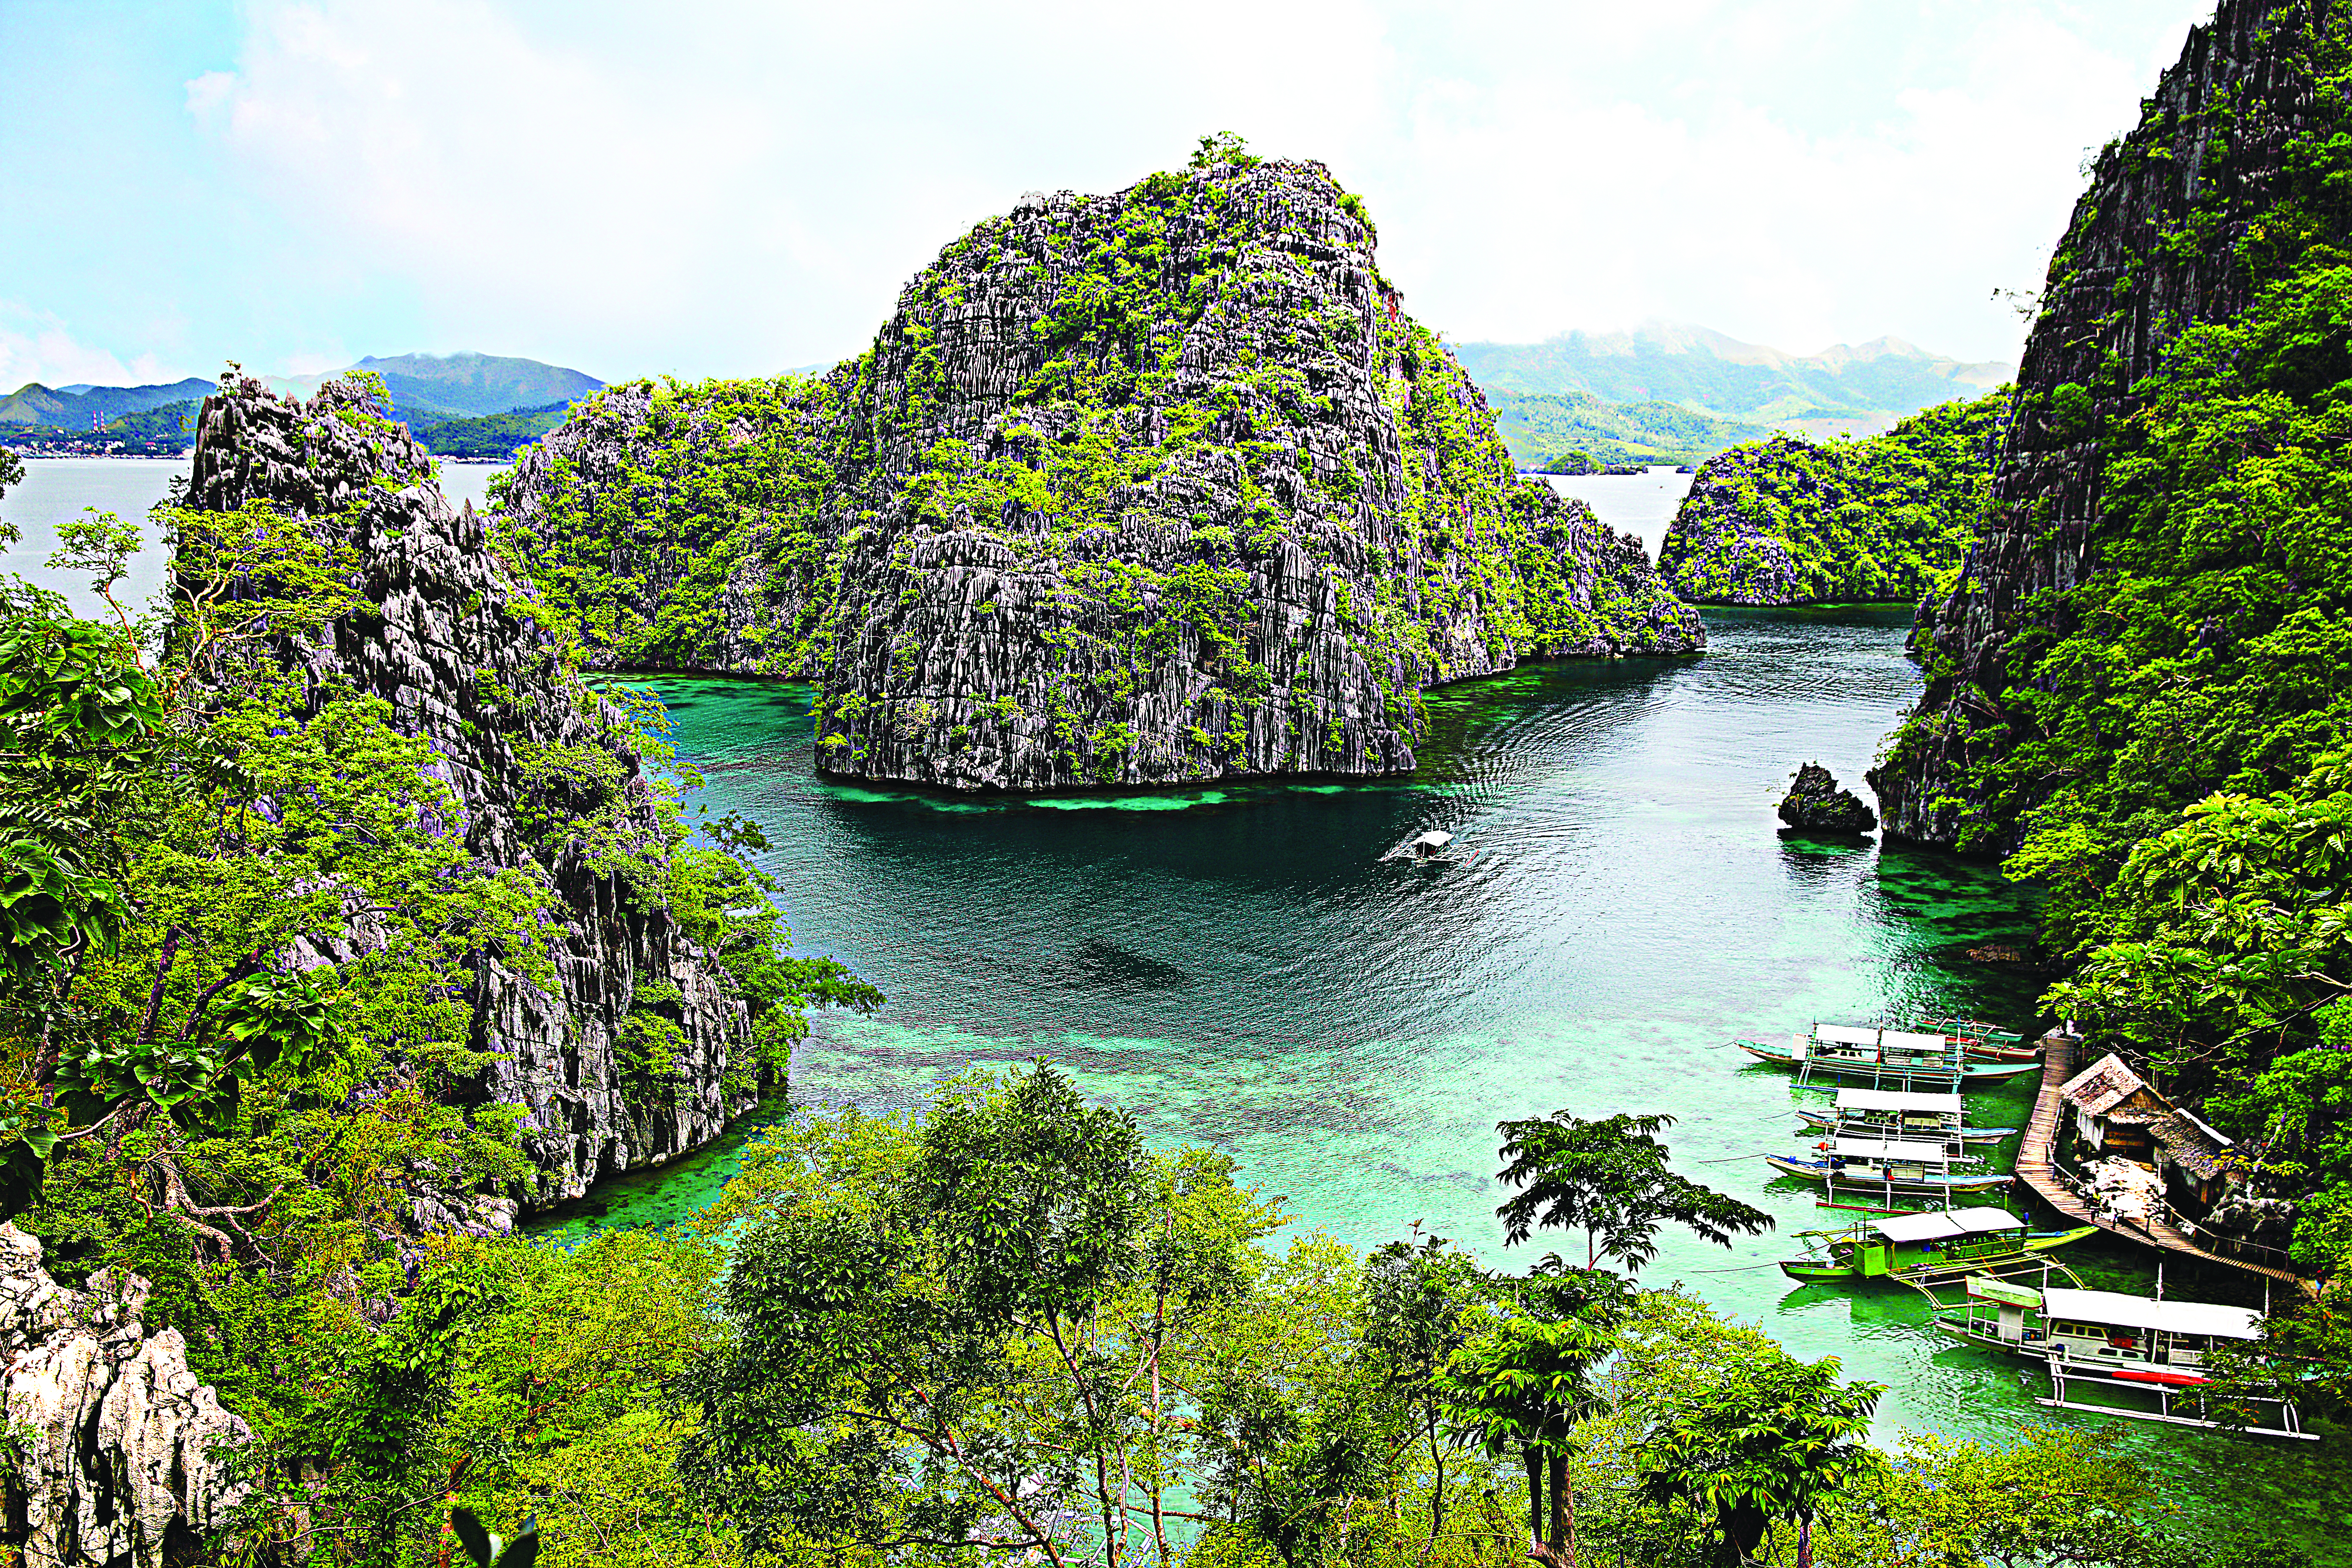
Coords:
pixel 1921 1249
pixel 1882 1058
pixel 1867 1112
pixel 1889 1166
pixel 2141 1346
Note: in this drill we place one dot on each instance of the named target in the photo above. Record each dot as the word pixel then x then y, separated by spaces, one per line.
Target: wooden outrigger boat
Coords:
pixel 1891 1113
pixel 1980 1041
pixel 2147 1348
pixel 1889 1167
pixel 1886 1058
pixel 1927 1249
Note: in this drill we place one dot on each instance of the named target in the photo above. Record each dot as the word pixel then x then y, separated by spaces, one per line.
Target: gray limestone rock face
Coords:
pixel 122 1455
pixel 1814 804
pixel 1136 489
pixel 458 645
pixel 2213 134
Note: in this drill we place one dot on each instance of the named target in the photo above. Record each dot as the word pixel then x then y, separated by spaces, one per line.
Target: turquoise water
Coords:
pixel 1239 966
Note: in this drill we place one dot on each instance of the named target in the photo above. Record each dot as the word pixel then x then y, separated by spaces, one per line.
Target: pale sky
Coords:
pixel 708 187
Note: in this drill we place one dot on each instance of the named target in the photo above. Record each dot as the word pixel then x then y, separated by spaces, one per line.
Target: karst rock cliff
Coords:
pixel 1791 521
pixel 1136 489
pixel 546 773
pixel 2169 232
pixel 120 1456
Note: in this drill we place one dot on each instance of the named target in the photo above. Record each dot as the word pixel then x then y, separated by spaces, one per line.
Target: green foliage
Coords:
pixel 1543 428
pixel 1789 522
pixel 1610 1179
pixel 492 438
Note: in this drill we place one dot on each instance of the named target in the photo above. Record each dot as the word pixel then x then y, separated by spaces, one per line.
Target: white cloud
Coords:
pixel 36 346
pixel 740 188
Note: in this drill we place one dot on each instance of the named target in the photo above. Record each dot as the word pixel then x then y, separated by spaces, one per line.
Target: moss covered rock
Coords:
pixel 1134 488
pixel 1790 522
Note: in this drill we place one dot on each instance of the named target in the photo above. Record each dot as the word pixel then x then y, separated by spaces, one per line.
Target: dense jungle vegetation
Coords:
pixel 1791 521
pixel 2164 744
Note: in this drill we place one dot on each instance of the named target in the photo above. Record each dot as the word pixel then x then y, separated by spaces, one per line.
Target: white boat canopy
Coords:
pixel 1845 1035
pixel 2112 1307
pixel 1949 1225
pixel 1432 839
pixel 1918 1045
pixel 1890 1149
pixel 1892 1099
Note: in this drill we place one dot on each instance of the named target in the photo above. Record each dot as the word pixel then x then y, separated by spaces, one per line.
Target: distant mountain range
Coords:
pixel 428 391
pixel 1855 389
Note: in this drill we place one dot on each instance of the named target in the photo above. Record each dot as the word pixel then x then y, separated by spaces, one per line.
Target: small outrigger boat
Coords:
pixel 1922 1249
pixel 1980 1041
pixel 1889 1166
pixel 1882 1113
pixel 1887 1058
pixel 2105 1339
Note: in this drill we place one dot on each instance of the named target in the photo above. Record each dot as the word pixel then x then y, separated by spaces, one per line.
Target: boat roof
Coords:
pixel 1435 839
pixel 1845 1035
pixel 1949 1223
pixel 1891 1149
pixel 1906 1040
pixel 1892 1099
pixel 2115 1307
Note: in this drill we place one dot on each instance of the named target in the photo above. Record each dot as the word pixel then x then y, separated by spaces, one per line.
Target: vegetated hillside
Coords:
pixel 2141 682
pixel 34 404
pixel 1543 429
pixel 1156 486
pixel 492 438
pixel 1709 373
pixel 1789 522
pixel 472 384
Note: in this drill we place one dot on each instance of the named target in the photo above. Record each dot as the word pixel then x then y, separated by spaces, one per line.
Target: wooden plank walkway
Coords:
pixel 2034 1154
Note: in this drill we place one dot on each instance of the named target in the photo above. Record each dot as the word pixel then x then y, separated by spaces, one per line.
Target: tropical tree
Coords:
pixel 1771 1439
pixel 1419 1305
pixel 1521 1386
pixel 1610 1178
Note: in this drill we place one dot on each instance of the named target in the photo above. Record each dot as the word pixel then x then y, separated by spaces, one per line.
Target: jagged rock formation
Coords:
pixel 2156 243
pixel 1790 522
pixel 1814 804
pixel 459 647
pixel 1135 489
pixel 120 1456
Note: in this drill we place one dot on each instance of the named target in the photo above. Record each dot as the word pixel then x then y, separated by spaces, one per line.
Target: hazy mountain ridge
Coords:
pixel 1706 371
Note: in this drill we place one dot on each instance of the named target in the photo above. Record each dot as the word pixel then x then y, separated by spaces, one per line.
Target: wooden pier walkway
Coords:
pixel 2035 1151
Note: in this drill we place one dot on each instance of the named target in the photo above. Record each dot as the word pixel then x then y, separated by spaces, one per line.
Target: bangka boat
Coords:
pixel 1922 1248
pixel 2145 1347
pixel 1881 1112
pixel 1980 1041
pixel 1889 1165
pixel 1896 1058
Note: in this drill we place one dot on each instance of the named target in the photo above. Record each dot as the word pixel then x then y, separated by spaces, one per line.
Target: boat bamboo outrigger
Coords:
pixel 2146 1350
pixel 1927 1249
pixel 1886 1058
pixel 1884 1169
pixel 1980 1041
pixel 1885 1112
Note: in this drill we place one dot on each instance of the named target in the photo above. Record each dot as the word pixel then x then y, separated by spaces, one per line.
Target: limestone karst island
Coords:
pixel 1135 844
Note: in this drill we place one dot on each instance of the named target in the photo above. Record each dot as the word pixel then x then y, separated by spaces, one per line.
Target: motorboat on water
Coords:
pixel 1922 1248
pixel 1888 1167
pixel 1906 1059
pixel 1893 1114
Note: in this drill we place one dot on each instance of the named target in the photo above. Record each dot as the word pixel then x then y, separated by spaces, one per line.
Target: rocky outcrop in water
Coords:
pixel 2159 240
pixel 1814 804
pixel 460 649
pixel 1136 489
pixel 1790 522
pixel 120 1456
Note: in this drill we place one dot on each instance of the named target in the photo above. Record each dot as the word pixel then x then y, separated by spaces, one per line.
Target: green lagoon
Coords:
pixel 1241 966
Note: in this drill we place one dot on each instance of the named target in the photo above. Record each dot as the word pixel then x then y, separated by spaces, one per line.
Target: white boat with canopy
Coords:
pixel 2153 1352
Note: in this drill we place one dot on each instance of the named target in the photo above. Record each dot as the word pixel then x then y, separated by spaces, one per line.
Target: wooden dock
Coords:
pixel 2034 1154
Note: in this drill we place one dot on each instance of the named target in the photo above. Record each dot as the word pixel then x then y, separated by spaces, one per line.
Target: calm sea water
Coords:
pixel 1242 967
